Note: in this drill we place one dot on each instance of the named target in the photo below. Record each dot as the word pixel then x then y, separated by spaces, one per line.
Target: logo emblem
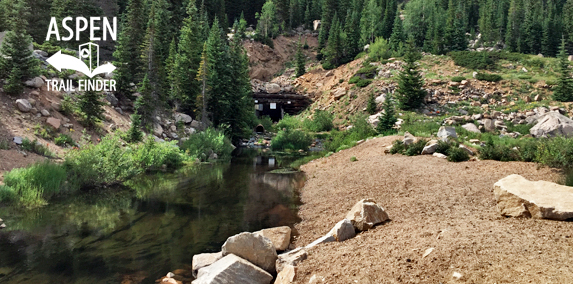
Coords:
pixel 63 61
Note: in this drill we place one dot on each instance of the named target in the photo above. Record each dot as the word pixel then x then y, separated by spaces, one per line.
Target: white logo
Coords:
pixel 63 61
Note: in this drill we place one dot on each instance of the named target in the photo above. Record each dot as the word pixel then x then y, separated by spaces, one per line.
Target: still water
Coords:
pixel 139 234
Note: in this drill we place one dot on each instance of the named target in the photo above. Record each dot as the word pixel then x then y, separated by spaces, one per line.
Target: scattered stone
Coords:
pixel 552 124
pixel 292 258
pixel 2 226
pixel 18 141
pixel 34 83
pixel 279 236
pixel 519 197
pixel 23 105
pixel 427 252
pixel 157 129
pixel 339 93
pixel 119 110
pixel 233 269
pixel 489 125
pixel 409 138
pixel 537 98
pixel 34 111
pixel 380 99
pixel 32 101
pixel 343 230
pixel 430 147
pixel 56 106
pixel 444 132
pixel 324 239
pixel 254 248
pixel 111 99
pixel 471 127
pixel 365 214
pixel 204 260
pixel 170 275
pixel 439 155
pixel 54 122
pixel 475 141
pixel 45 112
pixel 286 276
pixel 457 276
pixel 468 150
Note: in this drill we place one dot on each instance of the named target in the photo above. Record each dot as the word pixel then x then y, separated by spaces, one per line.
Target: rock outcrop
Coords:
pixel 254 248
pixel 366 214
pixel 519 197
pixel 280 236
pixel 552 124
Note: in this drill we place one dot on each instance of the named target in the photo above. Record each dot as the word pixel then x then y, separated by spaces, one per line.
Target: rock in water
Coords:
pixel 280 236
pixel 232 269
pixel 365 214
pixel 204 260
pixel 553 124
pixel 343 230
pixel 254 248
pixel 293 258
pixel 519 197
pixel 23 105
pixel 444 132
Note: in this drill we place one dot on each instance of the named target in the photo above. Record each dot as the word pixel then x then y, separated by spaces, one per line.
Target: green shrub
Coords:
pixel 64 140
pixel 415 148
pixel 266 122
pixel 524 77
pixel 7 194
pixel 52 49
pixel 499 152
pixel 368 72
pixel 327 65
pixel 398 147
pixel 340 140
pixel 556 152
pixel 69 107
pixel 528 150
pixel 322 121
pixel 202 144
pixel 458 79
pixel 363 83
pixel 289 122
pixel 473 59
pixel 379 50
pixel 304 160
pixel 34 184
pixel 354 80
pixel 353 159
pixel 551 82
pixel 457 155
pixel 534 62
pixel 443 147
pixel 291 140
pixel 488 77
pixel 36 147
pixel 344 147
pixel 4 144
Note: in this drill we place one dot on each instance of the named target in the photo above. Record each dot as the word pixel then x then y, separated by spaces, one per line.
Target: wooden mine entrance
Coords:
pixel 277 105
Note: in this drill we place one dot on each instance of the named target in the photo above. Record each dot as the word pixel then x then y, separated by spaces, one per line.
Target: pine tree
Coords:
pixel 300 61
pixel 307 17
pixel 369 22
pixel 352 47
pixel 91 106
pixel 334 50
pixel 134 134
pixel 17 61
pixel 371 106
pixel 389 15
pixel 170 68
pixel 514 25
pixel 185 87
pixel 219 78
pixel 397 36
pixel 388 119
pixel 202 74
pixel 563 92
pixel 128 50
pixel 410 82
pixel 144 104
pixel 267 25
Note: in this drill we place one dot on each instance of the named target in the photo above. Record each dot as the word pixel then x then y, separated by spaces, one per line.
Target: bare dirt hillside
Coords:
pixel 432 203
pixel 266 62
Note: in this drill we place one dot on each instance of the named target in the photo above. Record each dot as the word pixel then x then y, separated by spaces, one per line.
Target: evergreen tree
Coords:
pixel 300 61
pixel 170 68
pixel 202 74
pixel 219 78
pixel 91 107
pixel 308 17
pixel 352 47
pixel 563 92
pixel 145 104
pixel 515 20
pixel 389 18
pixel 267 25
pixel 371 105
pixel 397 36
pixel 455 35
pixel 334 49
pixel 17 61
pixel 128 50
pixel 185 87
pixel 388 119
pixel 134 134
pixel 410 82
pixel 369 22
pixel 329 8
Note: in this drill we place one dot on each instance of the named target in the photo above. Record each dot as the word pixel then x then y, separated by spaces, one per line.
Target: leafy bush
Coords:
pixel 52 49
pixel 443 147
pixel 498 152
pixel 534 62
pixel 68 105
pixel 379 50
pixel 368 72
pixel 201 145
pixel 289 122
pixel 64 140
pixel 322 121
pixel 488 77
pixel 291 140
pixel 363 83
pixel 354 80
pixel 341 140
pixel 551 82
pixel 7 194
pixel 415 148
pixel 266 122
pixel 36 147
pixel 458 79
pixel 556 152
pixel 473 59
pixel 4 144
pixel 33 185
pixel 371 106
pixel 398 147
pixel 457 155
pixel 328 65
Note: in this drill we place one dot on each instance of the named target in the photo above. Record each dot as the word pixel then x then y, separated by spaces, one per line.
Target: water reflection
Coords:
pixel 136 235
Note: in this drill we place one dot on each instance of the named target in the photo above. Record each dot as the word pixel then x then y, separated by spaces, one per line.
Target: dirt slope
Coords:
pixel 431 203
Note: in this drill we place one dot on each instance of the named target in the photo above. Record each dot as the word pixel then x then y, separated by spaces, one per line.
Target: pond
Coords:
pixel 139 234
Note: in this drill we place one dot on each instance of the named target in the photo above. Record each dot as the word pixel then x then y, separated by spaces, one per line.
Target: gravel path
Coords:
pixel 432 203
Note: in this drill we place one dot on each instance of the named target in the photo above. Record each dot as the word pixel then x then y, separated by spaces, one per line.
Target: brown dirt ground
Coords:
pixel 432 203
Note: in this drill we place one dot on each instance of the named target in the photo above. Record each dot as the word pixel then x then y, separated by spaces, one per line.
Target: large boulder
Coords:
pixel 254 248
pixel 280 236
pixel 157 129
pixel 232 269
pixel 23 105
pixel 365 214
pixel 204 260
pixel 552 124
pixel 408 138
pixel 519 197
pixel 293 258
pixel 445 132
pixel 489 125
pixel 273 88
pixel 111 99
pixel 343 230
pixel 183 117
pixel 430 147
pixel 375 119
pixel 34 83
pixel 471 127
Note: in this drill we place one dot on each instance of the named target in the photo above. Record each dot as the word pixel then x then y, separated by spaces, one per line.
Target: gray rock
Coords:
pixel 232 269
pixel 111 99
pixel 45 112
pixel 34 83
pixel 489 125
pixel 273 88
pixel 519 197
pixel 408 138
pixel 468 150
pixel 157 129
pixel 204 260
pixel 280 236
pixel 23 105
pixel 197 124
pixel 254 248
pixel 54 122
pixel 365 214
pixel 293 257
pixel 380 99
pixel 18 141
pixel 430 147
pixel 439 155
pixel 343 230
pixel 183 117
pixel 552 124
pixel 445 132
pixel 56 106
pixel 471 127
